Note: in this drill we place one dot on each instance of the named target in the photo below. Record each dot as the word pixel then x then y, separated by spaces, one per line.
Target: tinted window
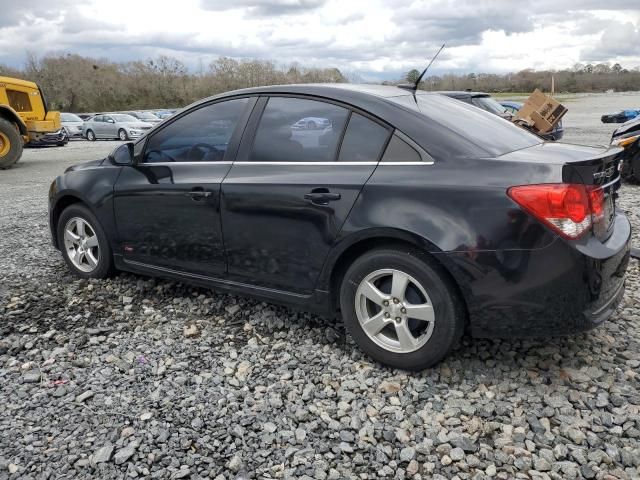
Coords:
pixel 488 104
pixel 363 141
pixel 400 151
pixel 97 118
pixel 458 127
pixel 124 118
pixel 200 136
pixel 298 130
pixel 69 117
pixel 19 101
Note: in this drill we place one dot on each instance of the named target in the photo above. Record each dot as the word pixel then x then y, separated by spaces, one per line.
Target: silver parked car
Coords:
pixel 72 124
pixel 114 125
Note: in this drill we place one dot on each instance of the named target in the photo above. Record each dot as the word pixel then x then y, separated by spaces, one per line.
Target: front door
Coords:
pixel 297 177
pixel 168 204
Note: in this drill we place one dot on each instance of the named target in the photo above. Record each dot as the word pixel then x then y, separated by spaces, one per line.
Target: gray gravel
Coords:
pixel 136 377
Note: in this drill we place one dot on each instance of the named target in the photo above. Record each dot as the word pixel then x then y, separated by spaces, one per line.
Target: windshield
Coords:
pixel 70 117
pixel 488 104
pixel 489 132
pixel 124 118
pixel 147 116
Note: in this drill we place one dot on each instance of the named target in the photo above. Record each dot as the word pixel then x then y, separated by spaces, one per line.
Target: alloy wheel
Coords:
pixel 5 144
pixel 394 310
pixel 81 243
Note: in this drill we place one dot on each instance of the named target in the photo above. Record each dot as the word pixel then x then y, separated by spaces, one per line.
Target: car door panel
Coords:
pixel 167 205
pixel 273 234
pixel 168 216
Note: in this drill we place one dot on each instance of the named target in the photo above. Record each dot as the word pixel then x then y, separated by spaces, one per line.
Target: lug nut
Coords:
pixel 386 315
pixel 386 303
pixel 403 310
pixel 398 319
pixel 395 300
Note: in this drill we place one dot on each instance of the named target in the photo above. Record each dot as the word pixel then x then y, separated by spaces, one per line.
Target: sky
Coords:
pixel 369 39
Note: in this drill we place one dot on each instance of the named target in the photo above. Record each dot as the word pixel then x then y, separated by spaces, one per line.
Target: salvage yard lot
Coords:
pixel 142 377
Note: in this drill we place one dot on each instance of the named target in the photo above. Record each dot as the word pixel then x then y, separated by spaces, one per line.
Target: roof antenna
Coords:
pixel 414 86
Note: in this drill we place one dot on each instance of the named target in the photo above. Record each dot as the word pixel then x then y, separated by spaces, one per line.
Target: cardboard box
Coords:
pixel 540 112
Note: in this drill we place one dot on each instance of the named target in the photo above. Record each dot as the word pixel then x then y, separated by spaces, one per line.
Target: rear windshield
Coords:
pixel 491 133
pixel 488 104
pixel 124 118
pixel 70 117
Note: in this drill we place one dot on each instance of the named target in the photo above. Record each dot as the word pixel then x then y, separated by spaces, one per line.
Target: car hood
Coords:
pixel 85 165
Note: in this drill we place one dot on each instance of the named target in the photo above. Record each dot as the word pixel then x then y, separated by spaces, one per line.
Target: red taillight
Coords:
pixel 569 209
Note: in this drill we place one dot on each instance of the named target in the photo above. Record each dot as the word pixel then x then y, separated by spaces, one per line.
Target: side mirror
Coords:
pixel 122 155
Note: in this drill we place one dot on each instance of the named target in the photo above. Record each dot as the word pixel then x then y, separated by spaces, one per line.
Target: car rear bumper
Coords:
pixel 557 290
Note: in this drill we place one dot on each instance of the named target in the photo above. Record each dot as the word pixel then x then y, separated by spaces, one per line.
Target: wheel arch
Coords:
pixel 340 260
pixel 11 115
pixel 64 201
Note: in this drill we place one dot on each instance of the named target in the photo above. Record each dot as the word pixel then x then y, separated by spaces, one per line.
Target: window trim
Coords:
pixel 234 140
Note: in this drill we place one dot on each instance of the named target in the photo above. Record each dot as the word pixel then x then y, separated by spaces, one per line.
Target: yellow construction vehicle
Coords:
pixel 24 117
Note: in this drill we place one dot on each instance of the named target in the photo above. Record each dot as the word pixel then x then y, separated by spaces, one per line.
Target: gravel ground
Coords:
pixel 136 377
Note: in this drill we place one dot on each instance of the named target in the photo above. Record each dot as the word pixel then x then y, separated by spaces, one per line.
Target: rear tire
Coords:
pixel 10 144
pixel 83 243
pixel 410 327
pixel 91 136
pixel 635 168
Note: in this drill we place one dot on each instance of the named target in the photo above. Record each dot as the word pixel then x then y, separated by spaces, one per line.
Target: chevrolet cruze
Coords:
pixel 414 217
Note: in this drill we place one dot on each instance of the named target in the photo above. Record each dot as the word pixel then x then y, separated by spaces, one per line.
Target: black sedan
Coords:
pixel 414 217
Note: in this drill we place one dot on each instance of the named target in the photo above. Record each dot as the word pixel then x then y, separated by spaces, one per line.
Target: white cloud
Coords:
pixel 374 38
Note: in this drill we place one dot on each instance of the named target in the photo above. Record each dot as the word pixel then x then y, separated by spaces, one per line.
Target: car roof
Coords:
pixel 511 103
pixel 323 88
pixel 462 94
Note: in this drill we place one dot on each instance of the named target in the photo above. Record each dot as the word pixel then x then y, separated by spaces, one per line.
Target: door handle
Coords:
pixel 321 196
pixel 198 194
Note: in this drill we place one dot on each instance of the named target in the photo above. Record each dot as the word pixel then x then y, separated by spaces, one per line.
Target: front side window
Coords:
pixel 19 101
pixel 199 136
pixel 298 130
pixel 363 141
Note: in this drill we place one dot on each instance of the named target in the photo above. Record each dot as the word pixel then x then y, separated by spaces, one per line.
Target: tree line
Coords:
pixel 81 84
pixel 73 83
pixel 581 78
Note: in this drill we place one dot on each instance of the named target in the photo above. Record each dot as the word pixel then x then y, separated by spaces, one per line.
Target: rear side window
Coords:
pixel 457 127
pixel 199 136
pixel 298 130
pixel 19 101
pixel 363 141
pixel 400 151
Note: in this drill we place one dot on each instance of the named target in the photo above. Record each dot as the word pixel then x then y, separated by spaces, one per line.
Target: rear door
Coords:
pixel 300 169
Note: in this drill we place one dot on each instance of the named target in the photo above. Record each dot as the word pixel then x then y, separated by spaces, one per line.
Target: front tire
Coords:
pixel 83 243
pixel 401 308
pixel 10 144
pixel 122 135
pixel 91 136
